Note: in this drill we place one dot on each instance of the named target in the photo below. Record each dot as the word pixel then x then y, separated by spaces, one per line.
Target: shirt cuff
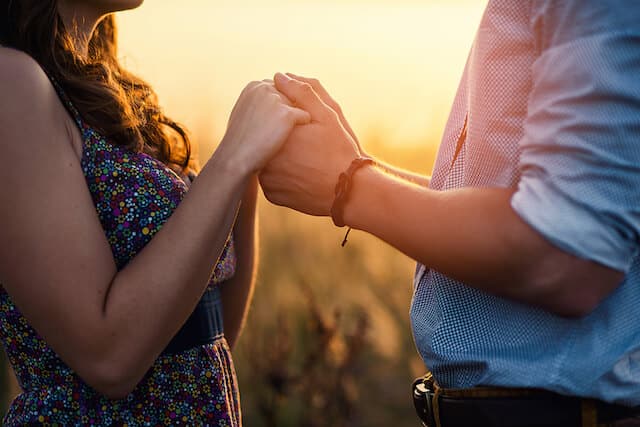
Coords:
pixel 570 225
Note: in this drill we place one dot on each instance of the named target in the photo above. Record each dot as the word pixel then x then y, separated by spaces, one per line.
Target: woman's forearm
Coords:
pixel 150 299
pixel 145 307
pixel 237 292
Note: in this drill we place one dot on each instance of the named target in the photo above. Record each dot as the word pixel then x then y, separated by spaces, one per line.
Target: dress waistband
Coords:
pixel 204 326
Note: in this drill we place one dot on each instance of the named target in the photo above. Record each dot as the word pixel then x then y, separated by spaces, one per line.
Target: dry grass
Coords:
pixel 328 340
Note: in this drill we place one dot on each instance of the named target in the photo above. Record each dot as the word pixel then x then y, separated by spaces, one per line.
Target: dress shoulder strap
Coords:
pixel 68 104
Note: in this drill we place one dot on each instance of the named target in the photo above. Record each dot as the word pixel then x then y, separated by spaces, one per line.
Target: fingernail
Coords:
pixel 283 76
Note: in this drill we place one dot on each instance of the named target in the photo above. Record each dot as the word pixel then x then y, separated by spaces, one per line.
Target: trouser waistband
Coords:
pixel 505 407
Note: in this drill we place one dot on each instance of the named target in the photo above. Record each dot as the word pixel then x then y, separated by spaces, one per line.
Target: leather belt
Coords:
pixel 204 326
pixel 503 407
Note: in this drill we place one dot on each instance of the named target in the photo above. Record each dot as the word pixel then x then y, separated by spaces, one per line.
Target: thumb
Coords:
pixel 302 95
pixel 299 116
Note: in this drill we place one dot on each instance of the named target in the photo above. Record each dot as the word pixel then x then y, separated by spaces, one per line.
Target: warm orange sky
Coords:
pixel 393 65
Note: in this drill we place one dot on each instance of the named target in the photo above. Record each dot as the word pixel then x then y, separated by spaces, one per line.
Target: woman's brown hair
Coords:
pixel 119 105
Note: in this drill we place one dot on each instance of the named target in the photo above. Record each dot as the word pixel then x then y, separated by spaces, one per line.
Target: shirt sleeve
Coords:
pixel 580 153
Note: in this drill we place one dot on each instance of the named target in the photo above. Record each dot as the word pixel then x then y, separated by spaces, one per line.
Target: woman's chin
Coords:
pixel 116 5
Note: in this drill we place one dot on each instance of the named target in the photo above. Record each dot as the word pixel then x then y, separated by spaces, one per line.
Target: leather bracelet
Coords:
pixel 343 190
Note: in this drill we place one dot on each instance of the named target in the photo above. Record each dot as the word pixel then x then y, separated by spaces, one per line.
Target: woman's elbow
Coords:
pixel 111 378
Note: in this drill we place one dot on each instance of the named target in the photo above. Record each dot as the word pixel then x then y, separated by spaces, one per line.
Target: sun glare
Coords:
pixel 394 66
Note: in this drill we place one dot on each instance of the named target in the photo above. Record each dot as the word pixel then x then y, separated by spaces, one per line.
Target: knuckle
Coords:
pixel 252 85
pixel 274 97
pixel 306 89
pixel 259 88
pixel 263 87
pixel 251 90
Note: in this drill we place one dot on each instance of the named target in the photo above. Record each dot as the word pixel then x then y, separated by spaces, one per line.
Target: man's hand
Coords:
pixel 413 177
pixel 331 103
pixel 303 175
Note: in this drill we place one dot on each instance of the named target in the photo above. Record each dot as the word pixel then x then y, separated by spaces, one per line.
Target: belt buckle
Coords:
pixel 422 393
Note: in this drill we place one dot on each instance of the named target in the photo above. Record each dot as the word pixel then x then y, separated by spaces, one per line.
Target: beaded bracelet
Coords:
pixel 342 191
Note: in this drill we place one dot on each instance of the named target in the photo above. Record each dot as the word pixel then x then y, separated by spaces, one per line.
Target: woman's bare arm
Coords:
pixel 55 262
pixel 238 292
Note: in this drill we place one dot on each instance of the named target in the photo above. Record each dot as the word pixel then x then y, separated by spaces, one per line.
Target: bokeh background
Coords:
pixel 328 339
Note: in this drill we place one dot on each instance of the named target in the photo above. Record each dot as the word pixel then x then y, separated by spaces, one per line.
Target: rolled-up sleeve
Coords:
pixel 580 153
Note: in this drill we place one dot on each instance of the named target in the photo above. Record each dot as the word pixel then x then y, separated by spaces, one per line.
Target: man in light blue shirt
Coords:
pixel 528 232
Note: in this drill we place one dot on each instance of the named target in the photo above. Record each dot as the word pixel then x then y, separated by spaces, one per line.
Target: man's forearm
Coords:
pixel 472 235
pixel 420 180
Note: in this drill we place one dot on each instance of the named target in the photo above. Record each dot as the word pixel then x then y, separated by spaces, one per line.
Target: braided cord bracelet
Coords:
pixel 343 190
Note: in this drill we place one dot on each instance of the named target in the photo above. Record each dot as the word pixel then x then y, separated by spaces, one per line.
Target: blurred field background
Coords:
pixel 328 340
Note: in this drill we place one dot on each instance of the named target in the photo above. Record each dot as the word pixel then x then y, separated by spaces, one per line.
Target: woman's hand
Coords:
pixel 260 122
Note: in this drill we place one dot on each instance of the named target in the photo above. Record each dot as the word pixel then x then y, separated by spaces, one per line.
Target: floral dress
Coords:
pixel 134 194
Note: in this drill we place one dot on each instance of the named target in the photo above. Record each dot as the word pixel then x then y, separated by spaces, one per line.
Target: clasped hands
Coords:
pixel 309 142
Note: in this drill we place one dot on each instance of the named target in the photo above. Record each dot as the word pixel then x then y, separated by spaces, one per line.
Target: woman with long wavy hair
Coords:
pixel 114 266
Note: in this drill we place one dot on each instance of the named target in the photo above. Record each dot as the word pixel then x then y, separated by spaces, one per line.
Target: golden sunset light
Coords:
pixel 393 66
pixel 326 337
pixel 319 213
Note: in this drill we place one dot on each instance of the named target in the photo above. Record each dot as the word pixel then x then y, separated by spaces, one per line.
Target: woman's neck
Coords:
pixel 80 20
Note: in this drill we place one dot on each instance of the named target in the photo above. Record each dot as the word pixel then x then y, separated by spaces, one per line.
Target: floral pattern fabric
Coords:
pixel 134 195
